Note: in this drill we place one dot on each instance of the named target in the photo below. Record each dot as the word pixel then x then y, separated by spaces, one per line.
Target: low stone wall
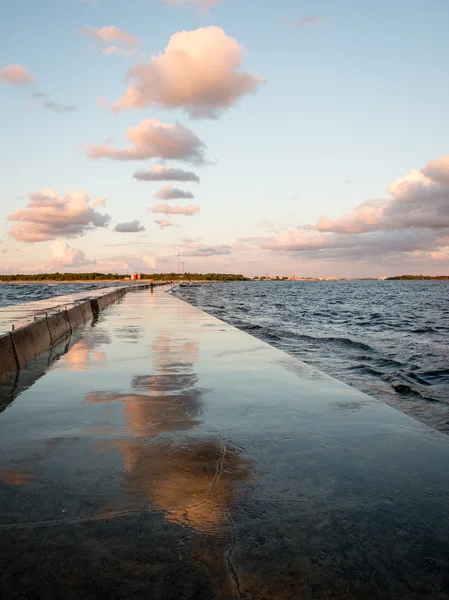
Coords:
pixel 30 341
pixel 59 326
pixel 8 360
pixel 80 314
pixel 22 345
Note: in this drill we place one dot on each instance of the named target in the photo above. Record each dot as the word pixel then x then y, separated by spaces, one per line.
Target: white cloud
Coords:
pixel 168 192
pixel 166 209
pixel 49 216
pixel 16 75
pixel 133 227
pixel 63 255
pixel 198 72
pixel 165 173
pixel 154 139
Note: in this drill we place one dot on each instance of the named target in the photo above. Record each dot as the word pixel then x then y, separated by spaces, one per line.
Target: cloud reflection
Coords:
pixel 16 478
pixel 192 480
pixel 149 416
pixel 81 356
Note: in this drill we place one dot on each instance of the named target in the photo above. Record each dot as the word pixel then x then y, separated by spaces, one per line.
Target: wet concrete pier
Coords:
pixel 162 454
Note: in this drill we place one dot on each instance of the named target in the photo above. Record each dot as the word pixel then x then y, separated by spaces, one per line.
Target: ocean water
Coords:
pixel 389 339
pixel 19 293
pixel 20 302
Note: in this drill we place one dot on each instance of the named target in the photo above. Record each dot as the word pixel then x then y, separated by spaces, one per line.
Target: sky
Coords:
pixel 257 137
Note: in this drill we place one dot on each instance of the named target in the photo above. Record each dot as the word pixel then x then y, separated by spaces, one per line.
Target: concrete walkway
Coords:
pixel 162 454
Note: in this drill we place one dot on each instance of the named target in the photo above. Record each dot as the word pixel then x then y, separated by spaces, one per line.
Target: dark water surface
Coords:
pixel 386 338
pixel 20 303
pixel 19 293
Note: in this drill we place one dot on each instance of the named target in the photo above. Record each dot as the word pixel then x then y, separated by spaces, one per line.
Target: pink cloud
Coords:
pixel 412 223
pixel 439 255
pixel 154 139
pixel 120 51
pixel 353 246
pixel 365 218
pixel 49 216
pixel 112 35
pixel 198 72
pixel 165 173
pixel 420 199
pixel 63 255
pixel 16 75
pixel 202 4
pixel 438 170
pixel 166 209
pixel 163 223
pixel 168 192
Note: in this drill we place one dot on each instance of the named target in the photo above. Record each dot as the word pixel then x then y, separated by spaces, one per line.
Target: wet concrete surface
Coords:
pixel 164 454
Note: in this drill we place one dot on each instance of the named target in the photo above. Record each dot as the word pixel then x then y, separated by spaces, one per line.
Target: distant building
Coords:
pixel 135 276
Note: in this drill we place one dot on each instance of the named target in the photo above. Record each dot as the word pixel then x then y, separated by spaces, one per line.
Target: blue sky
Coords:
pixel 356 96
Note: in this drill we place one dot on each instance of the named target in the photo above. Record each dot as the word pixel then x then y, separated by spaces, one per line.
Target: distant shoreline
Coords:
pixel 67 281
pixel 186 280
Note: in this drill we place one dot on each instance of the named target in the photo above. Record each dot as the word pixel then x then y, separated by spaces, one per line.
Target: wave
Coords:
pixel 388 342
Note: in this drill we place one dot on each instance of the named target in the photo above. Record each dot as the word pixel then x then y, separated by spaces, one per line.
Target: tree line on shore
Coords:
pixel 117 277
pixel 417 277
pixel 67 277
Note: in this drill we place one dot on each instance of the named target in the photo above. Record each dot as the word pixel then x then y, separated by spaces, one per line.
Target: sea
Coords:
pixel 389 339
pixel 20 302
pixel 20 293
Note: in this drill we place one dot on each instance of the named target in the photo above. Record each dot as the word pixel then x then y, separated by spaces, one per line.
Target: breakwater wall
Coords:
pixel 20 346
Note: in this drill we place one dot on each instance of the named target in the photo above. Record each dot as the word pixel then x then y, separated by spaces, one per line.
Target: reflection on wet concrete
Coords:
pixel 131 334
pixel 172 382
pixel 83 355
pixel 80 357
pixel 200 464
pixel 193 481
pixel 150 415
pixel 15 478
